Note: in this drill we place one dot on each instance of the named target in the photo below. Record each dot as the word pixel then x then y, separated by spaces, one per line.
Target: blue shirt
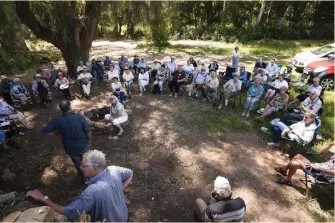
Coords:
pixel 18 89
pixel 73 128
pixel 103 199
pixel 253 92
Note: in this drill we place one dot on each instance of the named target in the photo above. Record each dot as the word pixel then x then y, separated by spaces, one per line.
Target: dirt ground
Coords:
pixel 174 162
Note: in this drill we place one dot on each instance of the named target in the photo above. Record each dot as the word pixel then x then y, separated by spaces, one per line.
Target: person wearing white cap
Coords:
pixel 230 88
pixel 199 81
pixel 5 86
pixel 117 114
pixel 171 65
pixel 81 67
pixel 41 90
pixel 20 92
pixel 85 81
pixel 222 206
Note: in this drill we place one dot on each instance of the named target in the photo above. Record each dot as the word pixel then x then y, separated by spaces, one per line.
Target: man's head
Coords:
pixel 136 57
pixel 142 70
pixel 273 60
pixel 236 76
pixel 262 72
pixel 64 105
pixel 213 74
pixel 237 48
pixel 316 81
pixel 180 67
pixel 188 62
pixel 142 59
pixel 85 70
pixel 16 80
pixel 242 69
pixel 107 57
pixel 126 69
pixel 111 67
pixel 81 63
pixel 172 58
pixel 203 68
pixel 93 162
pixel 314 94
pixel 222 187
pixel 309 117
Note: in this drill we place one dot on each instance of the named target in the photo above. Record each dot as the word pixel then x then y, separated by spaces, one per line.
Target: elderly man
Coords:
pixel 326 169
pixel 171 65
pixel 107 62
pixel 81 67
pixel 20 92
pixel 142 64
pixel 301 97
pixel 300 132
pixel 9 112
pixel 5 87
pixel 177 79
pixel 85 81
pixel 103 199
pixel 312 103
pixel 75 132
pixel 222 206
pixel 199 81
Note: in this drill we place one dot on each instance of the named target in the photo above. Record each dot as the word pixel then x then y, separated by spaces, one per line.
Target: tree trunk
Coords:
pixel 261 10
pixel 251 9
pixel 223 10
pixel 73 39
pixel 282 20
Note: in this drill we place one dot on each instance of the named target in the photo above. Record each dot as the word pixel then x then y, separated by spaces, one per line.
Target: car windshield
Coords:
pixel 323 50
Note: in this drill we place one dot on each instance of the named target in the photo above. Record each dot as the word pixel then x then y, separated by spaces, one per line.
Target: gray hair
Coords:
pixel 16 80
pixel 316 79
pixel 310 114
pixel 222 187
pixel 115 98
pixel 258 80
pixel 96 158
pixel 316 92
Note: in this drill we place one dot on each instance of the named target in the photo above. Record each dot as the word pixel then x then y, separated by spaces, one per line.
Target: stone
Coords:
pixel 40 214
pixel 7 197
pixel 12 217
pixel 23 205
pixel 7 175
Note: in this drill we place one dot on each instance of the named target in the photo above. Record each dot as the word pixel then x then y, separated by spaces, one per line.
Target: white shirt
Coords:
pixel 236 55
pixel 213 83
pixel 85 76
pixel 116 86
pixel 306 133
pixel 265 78
pixel 312 87
pixel 280 83
pixel 232 86
pixel 112 74
pixel 201 78
pixel 172 66
pixel 80 68
pixel 128 77
pixel 145 76
pixel 188 68
pixel 271 69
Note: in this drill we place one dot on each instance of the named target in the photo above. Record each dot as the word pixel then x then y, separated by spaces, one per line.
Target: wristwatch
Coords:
pixel 45 198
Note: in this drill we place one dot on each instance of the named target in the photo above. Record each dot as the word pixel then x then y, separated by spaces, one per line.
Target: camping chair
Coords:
pixel 228 74
pixel 317 179
pixel 9 127
pixel 17 102
pixel 38 99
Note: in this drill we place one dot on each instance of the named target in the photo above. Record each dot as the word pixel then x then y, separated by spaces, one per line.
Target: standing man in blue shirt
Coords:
pixel 75 132
pixel 103 199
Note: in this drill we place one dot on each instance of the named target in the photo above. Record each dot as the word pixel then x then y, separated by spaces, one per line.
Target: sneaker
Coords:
pixel 266 130
pixel 247 115
pixel 175 95
pixel 244 113
pixel 171 94
pixel 273 144
pixel 260 111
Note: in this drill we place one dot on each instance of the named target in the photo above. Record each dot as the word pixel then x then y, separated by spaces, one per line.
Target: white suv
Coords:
pixel 302 59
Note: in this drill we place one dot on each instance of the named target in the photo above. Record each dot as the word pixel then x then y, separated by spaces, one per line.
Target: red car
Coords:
pixel 323 69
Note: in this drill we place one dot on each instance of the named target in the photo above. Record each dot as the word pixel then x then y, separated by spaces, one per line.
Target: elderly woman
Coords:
pixel 112 73
pixel 222 207
pixel 231 88
pixel 188 68
pixel 85 79
pixel 275 86
pixel 211 85
pixel 117 89
pixel 20 92
pixel 128 77
pixel 41 90
pixel 235 57
pixel 63 85
pixel 277 103
pixel 287 73
pixel 143 80
pixel 243 75
pixel 117 114
pixel 301 132
pixel 255 92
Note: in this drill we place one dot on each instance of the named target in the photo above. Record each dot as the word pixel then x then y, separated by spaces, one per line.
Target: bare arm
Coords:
pixel 127 182
pixel 89 136
pixel 57 207
pixel 325 151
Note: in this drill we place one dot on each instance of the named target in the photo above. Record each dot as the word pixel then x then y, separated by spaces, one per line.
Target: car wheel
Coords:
pixel 327 83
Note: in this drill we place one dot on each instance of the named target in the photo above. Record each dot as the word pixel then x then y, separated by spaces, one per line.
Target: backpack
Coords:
pixel 156 89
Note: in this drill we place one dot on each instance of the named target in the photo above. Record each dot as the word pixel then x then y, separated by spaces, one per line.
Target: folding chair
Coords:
pixel 228 74
pixel 9 127
pixel 317 179
pixel 17 102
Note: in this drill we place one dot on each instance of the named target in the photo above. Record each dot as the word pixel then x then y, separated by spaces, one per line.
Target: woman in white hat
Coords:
pixel 230 88
pixel 117 115
pixel 41 90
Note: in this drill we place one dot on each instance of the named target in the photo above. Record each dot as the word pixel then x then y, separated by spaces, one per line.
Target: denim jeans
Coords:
pixel 277 129
pixel 120 96
pixel 77 161
pixel 292 117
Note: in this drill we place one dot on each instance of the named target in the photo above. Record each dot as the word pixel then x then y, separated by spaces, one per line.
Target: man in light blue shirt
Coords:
pixel 142 64
pixel 272 68
pixel 103 199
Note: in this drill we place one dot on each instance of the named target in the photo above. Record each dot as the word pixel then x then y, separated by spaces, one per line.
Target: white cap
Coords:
pixel 222 186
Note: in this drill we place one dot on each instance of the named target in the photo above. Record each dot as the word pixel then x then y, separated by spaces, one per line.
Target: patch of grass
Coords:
pixel 264 47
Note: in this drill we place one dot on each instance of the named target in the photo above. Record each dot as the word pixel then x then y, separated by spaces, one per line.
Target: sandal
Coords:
pixel 280 171
pixel 284 181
